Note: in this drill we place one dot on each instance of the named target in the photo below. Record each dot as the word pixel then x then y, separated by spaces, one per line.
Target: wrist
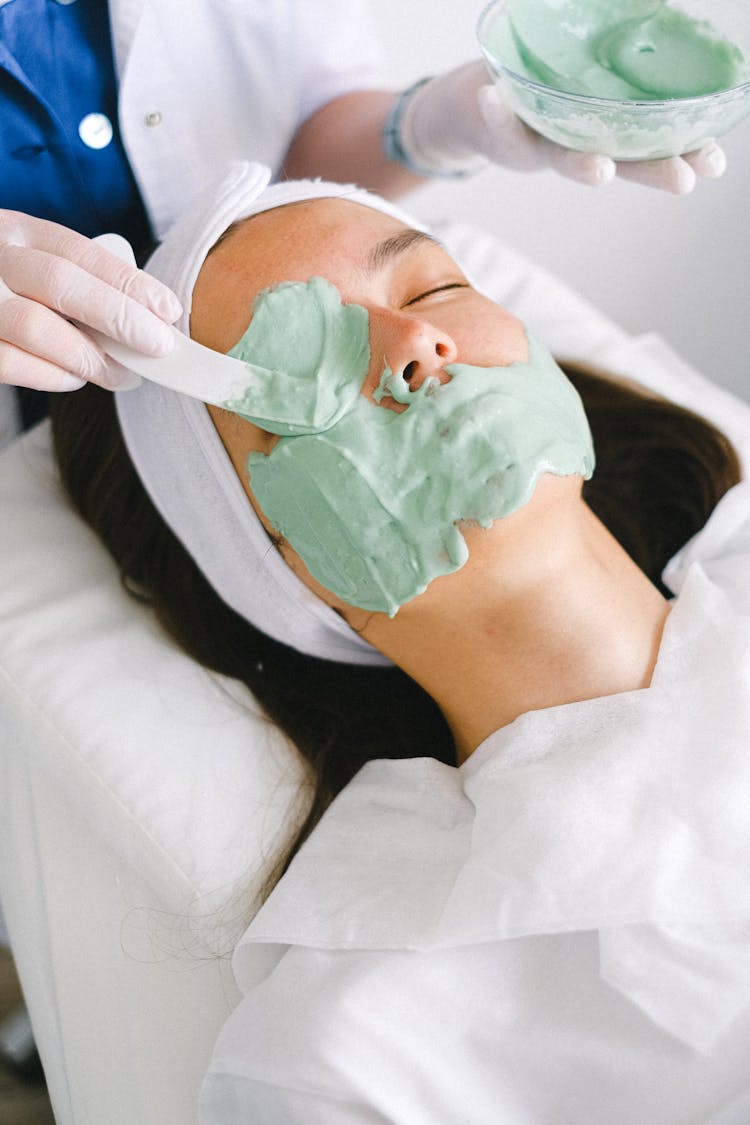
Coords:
pixel 434 125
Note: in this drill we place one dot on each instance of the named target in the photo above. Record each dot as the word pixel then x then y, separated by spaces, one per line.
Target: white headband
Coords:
pixel 183 465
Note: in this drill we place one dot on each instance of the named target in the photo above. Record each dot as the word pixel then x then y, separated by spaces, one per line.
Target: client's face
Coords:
pixel 416 403
pixel 423 314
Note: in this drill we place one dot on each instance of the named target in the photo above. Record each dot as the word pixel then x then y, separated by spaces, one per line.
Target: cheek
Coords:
pixel 486 335
pixel 496 339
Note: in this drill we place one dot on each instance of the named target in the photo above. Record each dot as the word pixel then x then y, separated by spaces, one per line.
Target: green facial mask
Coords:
pixel 306 352
pixel 373 502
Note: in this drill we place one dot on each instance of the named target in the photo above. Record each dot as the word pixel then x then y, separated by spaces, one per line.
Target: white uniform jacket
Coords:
pixel 204 82
pixel 555 933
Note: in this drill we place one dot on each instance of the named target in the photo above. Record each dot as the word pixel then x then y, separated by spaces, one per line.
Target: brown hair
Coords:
pixel 660 472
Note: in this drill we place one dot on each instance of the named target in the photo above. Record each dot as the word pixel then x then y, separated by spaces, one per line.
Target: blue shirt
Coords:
pixel 58 107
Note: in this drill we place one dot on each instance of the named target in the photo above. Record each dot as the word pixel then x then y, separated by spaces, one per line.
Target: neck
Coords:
pixel 584 622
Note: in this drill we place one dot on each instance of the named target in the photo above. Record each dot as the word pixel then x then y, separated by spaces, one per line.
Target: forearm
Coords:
pixel 452 125
pixel 343 141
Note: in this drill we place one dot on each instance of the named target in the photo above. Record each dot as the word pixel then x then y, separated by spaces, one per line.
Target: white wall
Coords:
pixel 680 266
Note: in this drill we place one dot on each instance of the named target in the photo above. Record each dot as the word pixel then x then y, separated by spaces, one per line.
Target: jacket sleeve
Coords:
pixel 336 49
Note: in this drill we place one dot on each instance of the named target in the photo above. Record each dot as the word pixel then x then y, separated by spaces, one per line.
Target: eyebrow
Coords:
pixel 384 252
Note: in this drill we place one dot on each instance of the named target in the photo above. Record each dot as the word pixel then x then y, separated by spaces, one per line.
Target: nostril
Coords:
pixel 409 371
pixel 442 350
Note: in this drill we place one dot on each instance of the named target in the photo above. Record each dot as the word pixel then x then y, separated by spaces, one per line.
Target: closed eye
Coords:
pixel 437 289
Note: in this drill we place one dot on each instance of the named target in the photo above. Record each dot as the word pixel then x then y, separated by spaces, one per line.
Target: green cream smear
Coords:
pixel 374 503
pixel 638 50
pixel 304 352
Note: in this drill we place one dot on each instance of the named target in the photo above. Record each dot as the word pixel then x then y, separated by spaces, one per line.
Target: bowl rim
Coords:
pixel 729 94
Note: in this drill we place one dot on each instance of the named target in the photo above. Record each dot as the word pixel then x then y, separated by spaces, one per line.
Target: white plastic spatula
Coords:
pixel 190 368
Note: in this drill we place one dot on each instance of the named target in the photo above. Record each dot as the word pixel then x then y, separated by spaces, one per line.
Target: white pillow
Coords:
pixel 173 766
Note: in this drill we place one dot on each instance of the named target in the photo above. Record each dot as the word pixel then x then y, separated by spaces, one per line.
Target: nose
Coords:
pixel 415 348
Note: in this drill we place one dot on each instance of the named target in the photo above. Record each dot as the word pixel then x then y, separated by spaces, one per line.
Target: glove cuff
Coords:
pixel 401 144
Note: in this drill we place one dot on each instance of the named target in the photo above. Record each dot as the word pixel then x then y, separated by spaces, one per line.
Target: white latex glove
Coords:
pixel 459 120
pixel 50 275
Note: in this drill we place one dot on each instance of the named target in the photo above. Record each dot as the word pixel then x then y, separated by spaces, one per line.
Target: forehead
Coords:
pixel 326 237
pixel 330 232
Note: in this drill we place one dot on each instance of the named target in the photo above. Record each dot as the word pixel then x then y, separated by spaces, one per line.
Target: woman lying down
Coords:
pixel 522 894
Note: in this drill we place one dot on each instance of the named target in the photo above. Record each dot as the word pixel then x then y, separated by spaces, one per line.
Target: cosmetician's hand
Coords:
pixel 461 114
pixel 50 275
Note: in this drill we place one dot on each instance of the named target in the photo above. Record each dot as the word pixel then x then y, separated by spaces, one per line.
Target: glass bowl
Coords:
pixel 625 128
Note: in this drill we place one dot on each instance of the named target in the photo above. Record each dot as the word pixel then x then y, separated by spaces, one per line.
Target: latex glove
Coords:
pixel 50 275
pixel 459 120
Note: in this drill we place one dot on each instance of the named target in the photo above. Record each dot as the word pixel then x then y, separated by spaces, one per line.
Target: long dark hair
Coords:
pixel 660 472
